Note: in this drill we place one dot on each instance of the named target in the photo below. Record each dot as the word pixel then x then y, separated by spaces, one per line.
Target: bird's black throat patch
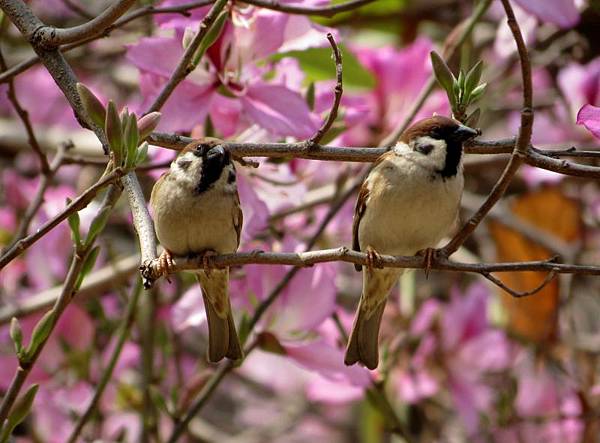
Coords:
pixel 212 168
pixel 453 156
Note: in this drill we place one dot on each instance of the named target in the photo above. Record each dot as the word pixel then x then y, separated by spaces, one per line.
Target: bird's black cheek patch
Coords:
pixel 231 177
pixel 424 149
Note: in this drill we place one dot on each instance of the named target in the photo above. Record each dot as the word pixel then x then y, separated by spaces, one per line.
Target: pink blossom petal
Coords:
pixel 563 13
pixel 589 116
pixel 156 55
pixel 321 389
pixel 279 110
pixel 186 107
pixel 414 386
pixel 328 361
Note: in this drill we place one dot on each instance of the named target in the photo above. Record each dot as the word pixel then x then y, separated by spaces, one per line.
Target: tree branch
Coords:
pixel 521 151
pixel 343 254
pixel 184 67
pixel 50 37
pixel 76 205
pixel 450 49
pixel 325 11
pixel 338 91
pixel 80 255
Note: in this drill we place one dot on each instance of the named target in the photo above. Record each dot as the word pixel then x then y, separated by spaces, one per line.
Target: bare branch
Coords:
pixel 325 11
pixel 122 21
pixel 69 290
pixel 50 37
pixel 338 91
pixel 519 294
pixel 76 205
pixel 184 67
pixel 521 150
pixel 537 158
pixel 141 218
pixel 343 254
pixel 451 45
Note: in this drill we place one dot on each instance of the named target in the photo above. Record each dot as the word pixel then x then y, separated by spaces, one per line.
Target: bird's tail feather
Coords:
pixel 223 340
pixel 363 343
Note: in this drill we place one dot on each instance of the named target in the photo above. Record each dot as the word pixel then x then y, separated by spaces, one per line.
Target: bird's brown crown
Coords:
pixel 437 126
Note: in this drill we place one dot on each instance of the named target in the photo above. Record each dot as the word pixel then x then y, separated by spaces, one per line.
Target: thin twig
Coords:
pixel 122 21
pixel 184 67
pixel 451 46
pixel 62 73
pixel 50 37
pixel 122 335
pixel 521 151
pixel 519 294
pixel 76 205
pixel 69 290
pixel 338 91
pixel 23 115
pixel 325 11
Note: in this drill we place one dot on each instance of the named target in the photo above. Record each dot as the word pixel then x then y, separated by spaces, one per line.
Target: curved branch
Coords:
pixel 325 11
pixel 51 37
pixel 338 91
pixel 521 151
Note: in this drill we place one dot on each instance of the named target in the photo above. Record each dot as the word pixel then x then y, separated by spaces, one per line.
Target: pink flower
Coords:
pixel 235 98
pixel 589 116
pixel 400 75
pixel 563 13
pixel 459 334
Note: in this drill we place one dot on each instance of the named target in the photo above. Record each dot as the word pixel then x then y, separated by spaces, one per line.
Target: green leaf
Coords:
pixel 131 140
pixel 211 36
pixel 19 412
pixel 477 92
pixel 114 132
pixel 91 104
pixel 442 72
pixel 473 77
pixel 74 222
pixel 317 66
pixel 88 265
pixel 142 153
pixel 310 96
pixel 98 224
pixel 16 334
pixel 40 333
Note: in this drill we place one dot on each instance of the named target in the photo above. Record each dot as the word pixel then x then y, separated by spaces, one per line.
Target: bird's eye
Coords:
pixel 424 148
pixel 201 149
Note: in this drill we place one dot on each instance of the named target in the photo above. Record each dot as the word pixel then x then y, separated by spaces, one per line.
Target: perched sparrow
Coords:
pixel 197 211
pixel 407 204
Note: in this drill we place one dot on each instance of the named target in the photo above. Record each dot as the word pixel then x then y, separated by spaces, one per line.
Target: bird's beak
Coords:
pixel 217 151
pixel 463 133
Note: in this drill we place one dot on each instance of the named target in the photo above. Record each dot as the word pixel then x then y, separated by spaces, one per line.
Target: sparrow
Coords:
pixel 406 205
pixel 197 212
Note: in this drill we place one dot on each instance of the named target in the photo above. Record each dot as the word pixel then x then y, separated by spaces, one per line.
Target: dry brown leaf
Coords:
pixel 535 317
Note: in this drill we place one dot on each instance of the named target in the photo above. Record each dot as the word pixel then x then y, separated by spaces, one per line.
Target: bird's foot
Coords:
pixel 429 255
pixel 373 259
pixel 206 257
pixel 166 264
